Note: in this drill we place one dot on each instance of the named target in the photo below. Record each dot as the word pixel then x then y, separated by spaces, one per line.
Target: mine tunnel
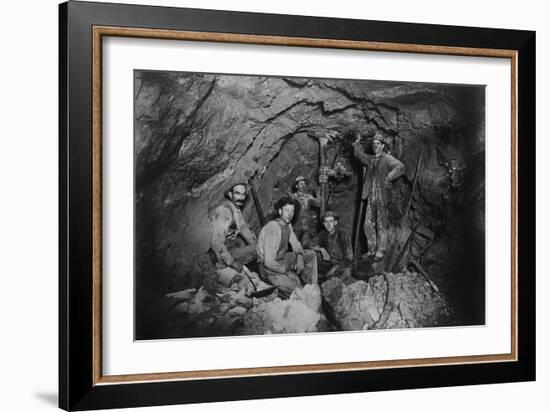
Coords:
pixel 196 133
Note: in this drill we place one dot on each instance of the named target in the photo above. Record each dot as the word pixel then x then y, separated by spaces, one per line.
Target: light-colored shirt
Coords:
pixel 270 248
pixel 228 223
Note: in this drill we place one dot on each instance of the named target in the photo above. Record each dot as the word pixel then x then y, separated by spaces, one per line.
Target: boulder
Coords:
pixel 299 314
pixel 350 307
pixel 388 301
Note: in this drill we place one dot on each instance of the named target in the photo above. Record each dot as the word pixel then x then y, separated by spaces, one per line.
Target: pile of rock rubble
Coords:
pixel 385 301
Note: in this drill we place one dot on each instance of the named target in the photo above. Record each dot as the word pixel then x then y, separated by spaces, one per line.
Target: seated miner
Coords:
pixel 306 218
pixel 278 265
pixel 381 170
pixel 335 255
pixel 233 244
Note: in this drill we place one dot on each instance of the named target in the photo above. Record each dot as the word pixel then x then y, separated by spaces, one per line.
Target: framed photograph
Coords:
pixel 256 205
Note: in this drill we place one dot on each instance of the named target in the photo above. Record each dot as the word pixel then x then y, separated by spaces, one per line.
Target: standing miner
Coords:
pixel 381 170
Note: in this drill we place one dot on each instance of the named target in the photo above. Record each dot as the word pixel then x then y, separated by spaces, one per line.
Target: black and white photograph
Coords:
pixel 276 205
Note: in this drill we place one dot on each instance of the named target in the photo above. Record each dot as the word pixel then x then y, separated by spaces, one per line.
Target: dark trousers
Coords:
pixel 343 272
pixel 287 282
pixel 244 254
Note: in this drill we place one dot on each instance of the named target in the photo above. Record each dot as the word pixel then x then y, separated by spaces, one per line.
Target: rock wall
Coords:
pixel 389 301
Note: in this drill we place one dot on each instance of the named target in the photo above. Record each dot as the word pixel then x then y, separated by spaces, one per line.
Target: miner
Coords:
pixel 335 255
pixel 306 219
pixel 278 265
pixel 381 170
pixel 233 243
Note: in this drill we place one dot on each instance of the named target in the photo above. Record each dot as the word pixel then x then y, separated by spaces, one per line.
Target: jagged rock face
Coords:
pixel 403 300
pixel 351 307
pixel 195 133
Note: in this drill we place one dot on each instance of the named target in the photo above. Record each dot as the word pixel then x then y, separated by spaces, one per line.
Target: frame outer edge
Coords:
pixel 79 206
pixel 63 375
pixel 527 206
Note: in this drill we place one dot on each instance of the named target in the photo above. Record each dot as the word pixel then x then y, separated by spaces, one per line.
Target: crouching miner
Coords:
pixel 233 244
pixel 277 265
pixel 335 255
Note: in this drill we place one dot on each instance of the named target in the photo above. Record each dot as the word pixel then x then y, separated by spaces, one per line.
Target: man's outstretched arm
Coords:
pixel 360 154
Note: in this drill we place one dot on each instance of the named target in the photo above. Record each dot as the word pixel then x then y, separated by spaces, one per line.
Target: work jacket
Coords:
pixel 377 169
pixel 227 225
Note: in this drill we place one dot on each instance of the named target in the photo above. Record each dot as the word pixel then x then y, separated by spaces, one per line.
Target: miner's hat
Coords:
pixel 296 181
pixel 330 213
pixel 237 183
pixel 380 137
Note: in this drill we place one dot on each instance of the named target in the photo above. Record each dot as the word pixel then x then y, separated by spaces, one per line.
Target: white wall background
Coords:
pixel 28 207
